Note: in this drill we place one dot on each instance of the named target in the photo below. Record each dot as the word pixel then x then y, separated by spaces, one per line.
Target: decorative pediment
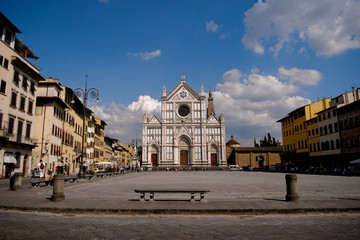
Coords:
pixel 154 119
pixel 182 91
pixel 212 119
pixel 154 143
pixel 183 131
pixel 212 142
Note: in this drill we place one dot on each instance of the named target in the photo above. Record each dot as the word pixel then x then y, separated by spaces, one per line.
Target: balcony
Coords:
pixel 21 139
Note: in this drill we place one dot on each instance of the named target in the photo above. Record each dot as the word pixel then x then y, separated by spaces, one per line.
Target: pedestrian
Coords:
pixel 41 168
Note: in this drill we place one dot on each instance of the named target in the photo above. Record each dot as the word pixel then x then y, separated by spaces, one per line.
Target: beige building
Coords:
pixel 72 131
pixel 253 157
pixel 99 140
pixel 19 79
pixel 48 126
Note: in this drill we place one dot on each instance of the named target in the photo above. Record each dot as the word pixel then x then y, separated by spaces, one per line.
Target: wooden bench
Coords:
pixel 153 191
pixel 39 182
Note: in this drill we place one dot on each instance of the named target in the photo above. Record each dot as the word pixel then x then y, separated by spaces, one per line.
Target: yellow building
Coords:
pixel 295 131
pixel 314 137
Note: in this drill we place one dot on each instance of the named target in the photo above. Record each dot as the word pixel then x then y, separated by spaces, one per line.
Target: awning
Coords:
pixel 357 161
pixel 9 159
pixel 104 163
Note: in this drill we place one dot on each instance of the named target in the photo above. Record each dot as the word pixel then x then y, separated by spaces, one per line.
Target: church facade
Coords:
pixel 188 134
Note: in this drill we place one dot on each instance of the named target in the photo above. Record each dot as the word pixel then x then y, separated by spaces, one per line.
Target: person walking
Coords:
pixel 41 168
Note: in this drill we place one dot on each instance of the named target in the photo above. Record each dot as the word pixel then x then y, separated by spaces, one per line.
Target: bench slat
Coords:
pixel 172 190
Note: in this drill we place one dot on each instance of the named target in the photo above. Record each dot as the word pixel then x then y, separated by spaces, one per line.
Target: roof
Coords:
pixel 23 50
pixel 232 142
pixel 42 99
pixel 278 149
pixel 8 23
pixel 26 69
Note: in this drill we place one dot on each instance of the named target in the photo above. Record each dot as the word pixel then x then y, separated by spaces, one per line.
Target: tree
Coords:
pixel 267 142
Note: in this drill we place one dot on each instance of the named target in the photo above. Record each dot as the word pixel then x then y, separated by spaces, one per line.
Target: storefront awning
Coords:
pixel 9 159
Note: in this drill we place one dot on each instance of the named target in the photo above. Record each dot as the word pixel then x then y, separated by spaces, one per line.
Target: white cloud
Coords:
pixel 211 26
pixel 303 76
pixel 145 55
pixel 252 104
pixel 330 26
pixel 124 122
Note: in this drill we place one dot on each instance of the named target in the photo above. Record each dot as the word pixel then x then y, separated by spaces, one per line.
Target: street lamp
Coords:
pixel 94 93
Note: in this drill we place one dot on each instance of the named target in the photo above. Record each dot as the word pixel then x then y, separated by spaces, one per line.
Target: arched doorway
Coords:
pixel 260 159
pixel 184 151
pixel 213 155
pixel 153 151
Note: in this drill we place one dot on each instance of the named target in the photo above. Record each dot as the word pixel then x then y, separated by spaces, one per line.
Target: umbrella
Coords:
pixel 357 161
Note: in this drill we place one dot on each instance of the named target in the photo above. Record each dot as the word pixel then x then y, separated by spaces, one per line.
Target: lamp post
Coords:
pixel 94 93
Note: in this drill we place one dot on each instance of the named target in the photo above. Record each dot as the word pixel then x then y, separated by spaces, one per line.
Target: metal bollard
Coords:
pixel 291 188
pixel 58 189
pixel 16 181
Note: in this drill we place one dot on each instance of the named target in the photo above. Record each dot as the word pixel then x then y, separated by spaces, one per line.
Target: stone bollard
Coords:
pixel 291 188
pixel 16 181
pixel 58 189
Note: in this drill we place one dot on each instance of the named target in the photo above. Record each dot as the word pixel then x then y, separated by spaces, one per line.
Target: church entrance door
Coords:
pixel 184 157
pixel 154 160
pixel 213 160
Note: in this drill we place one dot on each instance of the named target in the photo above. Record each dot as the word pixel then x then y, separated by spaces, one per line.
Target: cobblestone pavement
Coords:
pixel 34 225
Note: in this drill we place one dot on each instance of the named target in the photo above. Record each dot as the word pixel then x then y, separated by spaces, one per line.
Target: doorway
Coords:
pixel 184 158
pixel 154 160
pixel 213 159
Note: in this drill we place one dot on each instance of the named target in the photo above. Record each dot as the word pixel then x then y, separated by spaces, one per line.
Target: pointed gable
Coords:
pixel 154 119
pixel 182 91
pixel 212 119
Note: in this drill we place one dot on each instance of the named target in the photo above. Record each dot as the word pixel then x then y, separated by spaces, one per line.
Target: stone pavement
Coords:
pixel 231 192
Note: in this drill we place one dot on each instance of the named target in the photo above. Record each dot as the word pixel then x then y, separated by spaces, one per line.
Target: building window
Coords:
pixel 325 130
pixel 28 130
pixel 3 87
pixel 6 63
pixel 30 107
pixel 321 131
pixel 1 116
pixel 16 78
pixel 1 30
pixel 11 125
pixel 8 36
pixel 336 129
pixel 330 129
pixel 13 99
pixel 22 103
pixel 32 88
pixel 25 83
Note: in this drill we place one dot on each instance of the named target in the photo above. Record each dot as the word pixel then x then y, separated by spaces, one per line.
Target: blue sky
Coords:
pixel 261 59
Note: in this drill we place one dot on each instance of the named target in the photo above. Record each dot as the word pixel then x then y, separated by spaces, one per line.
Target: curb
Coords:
pixel 184 211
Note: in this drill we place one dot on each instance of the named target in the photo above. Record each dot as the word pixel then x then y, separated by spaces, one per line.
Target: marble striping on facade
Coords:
pixel 185 135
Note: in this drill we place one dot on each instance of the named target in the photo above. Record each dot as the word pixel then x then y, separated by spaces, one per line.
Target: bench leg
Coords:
pixel 202 197
pixel 142 197
pixel 151 197
pixel 192 197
